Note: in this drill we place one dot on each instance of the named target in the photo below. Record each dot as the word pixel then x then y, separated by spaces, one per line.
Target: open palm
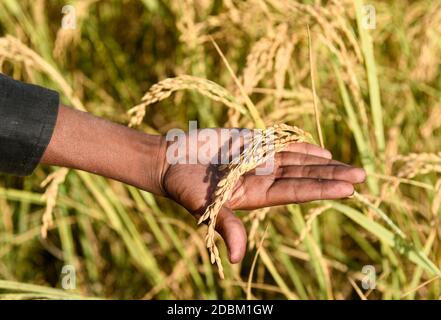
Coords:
pixel 302 172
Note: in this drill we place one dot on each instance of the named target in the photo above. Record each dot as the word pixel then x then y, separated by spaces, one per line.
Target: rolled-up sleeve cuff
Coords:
pixel 28 114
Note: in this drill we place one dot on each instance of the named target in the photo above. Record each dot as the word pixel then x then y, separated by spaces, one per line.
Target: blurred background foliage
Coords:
pixel 379 99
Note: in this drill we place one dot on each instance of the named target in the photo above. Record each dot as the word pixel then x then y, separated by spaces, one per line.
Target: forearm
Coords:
pixel 83 141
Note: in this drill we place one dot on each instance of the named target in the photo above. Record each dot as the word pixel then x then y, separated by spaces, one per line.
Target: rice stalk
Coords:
pixel 404 247
pixel 433 122
pixel 256 216
pixel 250 105
pixel 52 182
pixel 374 87
pixel 253 265
pixel 41 291
pixel 163 89
pixel 418 164
pixel 312 215
pixel 314 94
pixel 66 38
pixel 14 50
pixel 261 148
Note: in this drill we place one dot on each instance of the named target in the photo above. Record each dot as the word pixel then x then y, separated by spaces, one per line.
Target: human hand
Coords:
pixel 302 172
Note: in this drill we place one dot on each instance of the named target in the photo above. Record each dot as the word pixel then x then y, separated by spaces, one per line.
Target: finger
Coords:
pixel 297 159
pixel 329 172
pixel 308 148
pixel 285 191
pixel 233 232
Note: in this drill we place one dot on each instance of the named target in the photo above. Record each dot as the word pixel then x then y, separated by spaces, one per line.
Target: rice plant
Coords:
pixel 372 92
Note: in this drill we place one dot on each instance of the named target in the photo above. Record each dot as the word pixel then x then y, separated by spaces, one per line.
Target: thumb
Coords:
pixel 233 232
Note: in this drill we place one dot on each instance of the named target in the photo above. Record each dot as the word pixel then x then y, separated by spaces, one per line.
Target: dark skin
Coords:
pixel 302 172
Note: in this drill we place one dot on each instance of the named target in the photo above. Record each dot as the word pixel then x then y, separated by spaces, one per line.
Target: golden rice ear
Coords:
pixel 164 89
pixel 418 164
pixel 14 50
pixel 51 183
pixel 259 150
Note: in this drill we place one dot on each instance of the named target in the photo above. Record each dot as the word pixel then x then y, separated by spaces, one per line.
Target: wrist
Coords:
pixel 149 163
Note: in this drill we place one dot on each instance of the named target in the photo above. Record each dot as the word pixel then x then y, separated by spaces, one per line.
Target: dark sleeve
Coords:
pixel 27 119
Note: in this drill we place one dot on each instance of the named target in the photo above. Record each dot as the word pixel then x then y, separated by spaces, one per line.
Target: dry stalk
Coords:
pixel 256 217
pixel 14 50
pixel 436 203
pixel 433 121
pixel 334 33
pixel 426 32
pixel 419 164
pixel 69 37
pixel 274 48
pixel 52 182
pixel 312 215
